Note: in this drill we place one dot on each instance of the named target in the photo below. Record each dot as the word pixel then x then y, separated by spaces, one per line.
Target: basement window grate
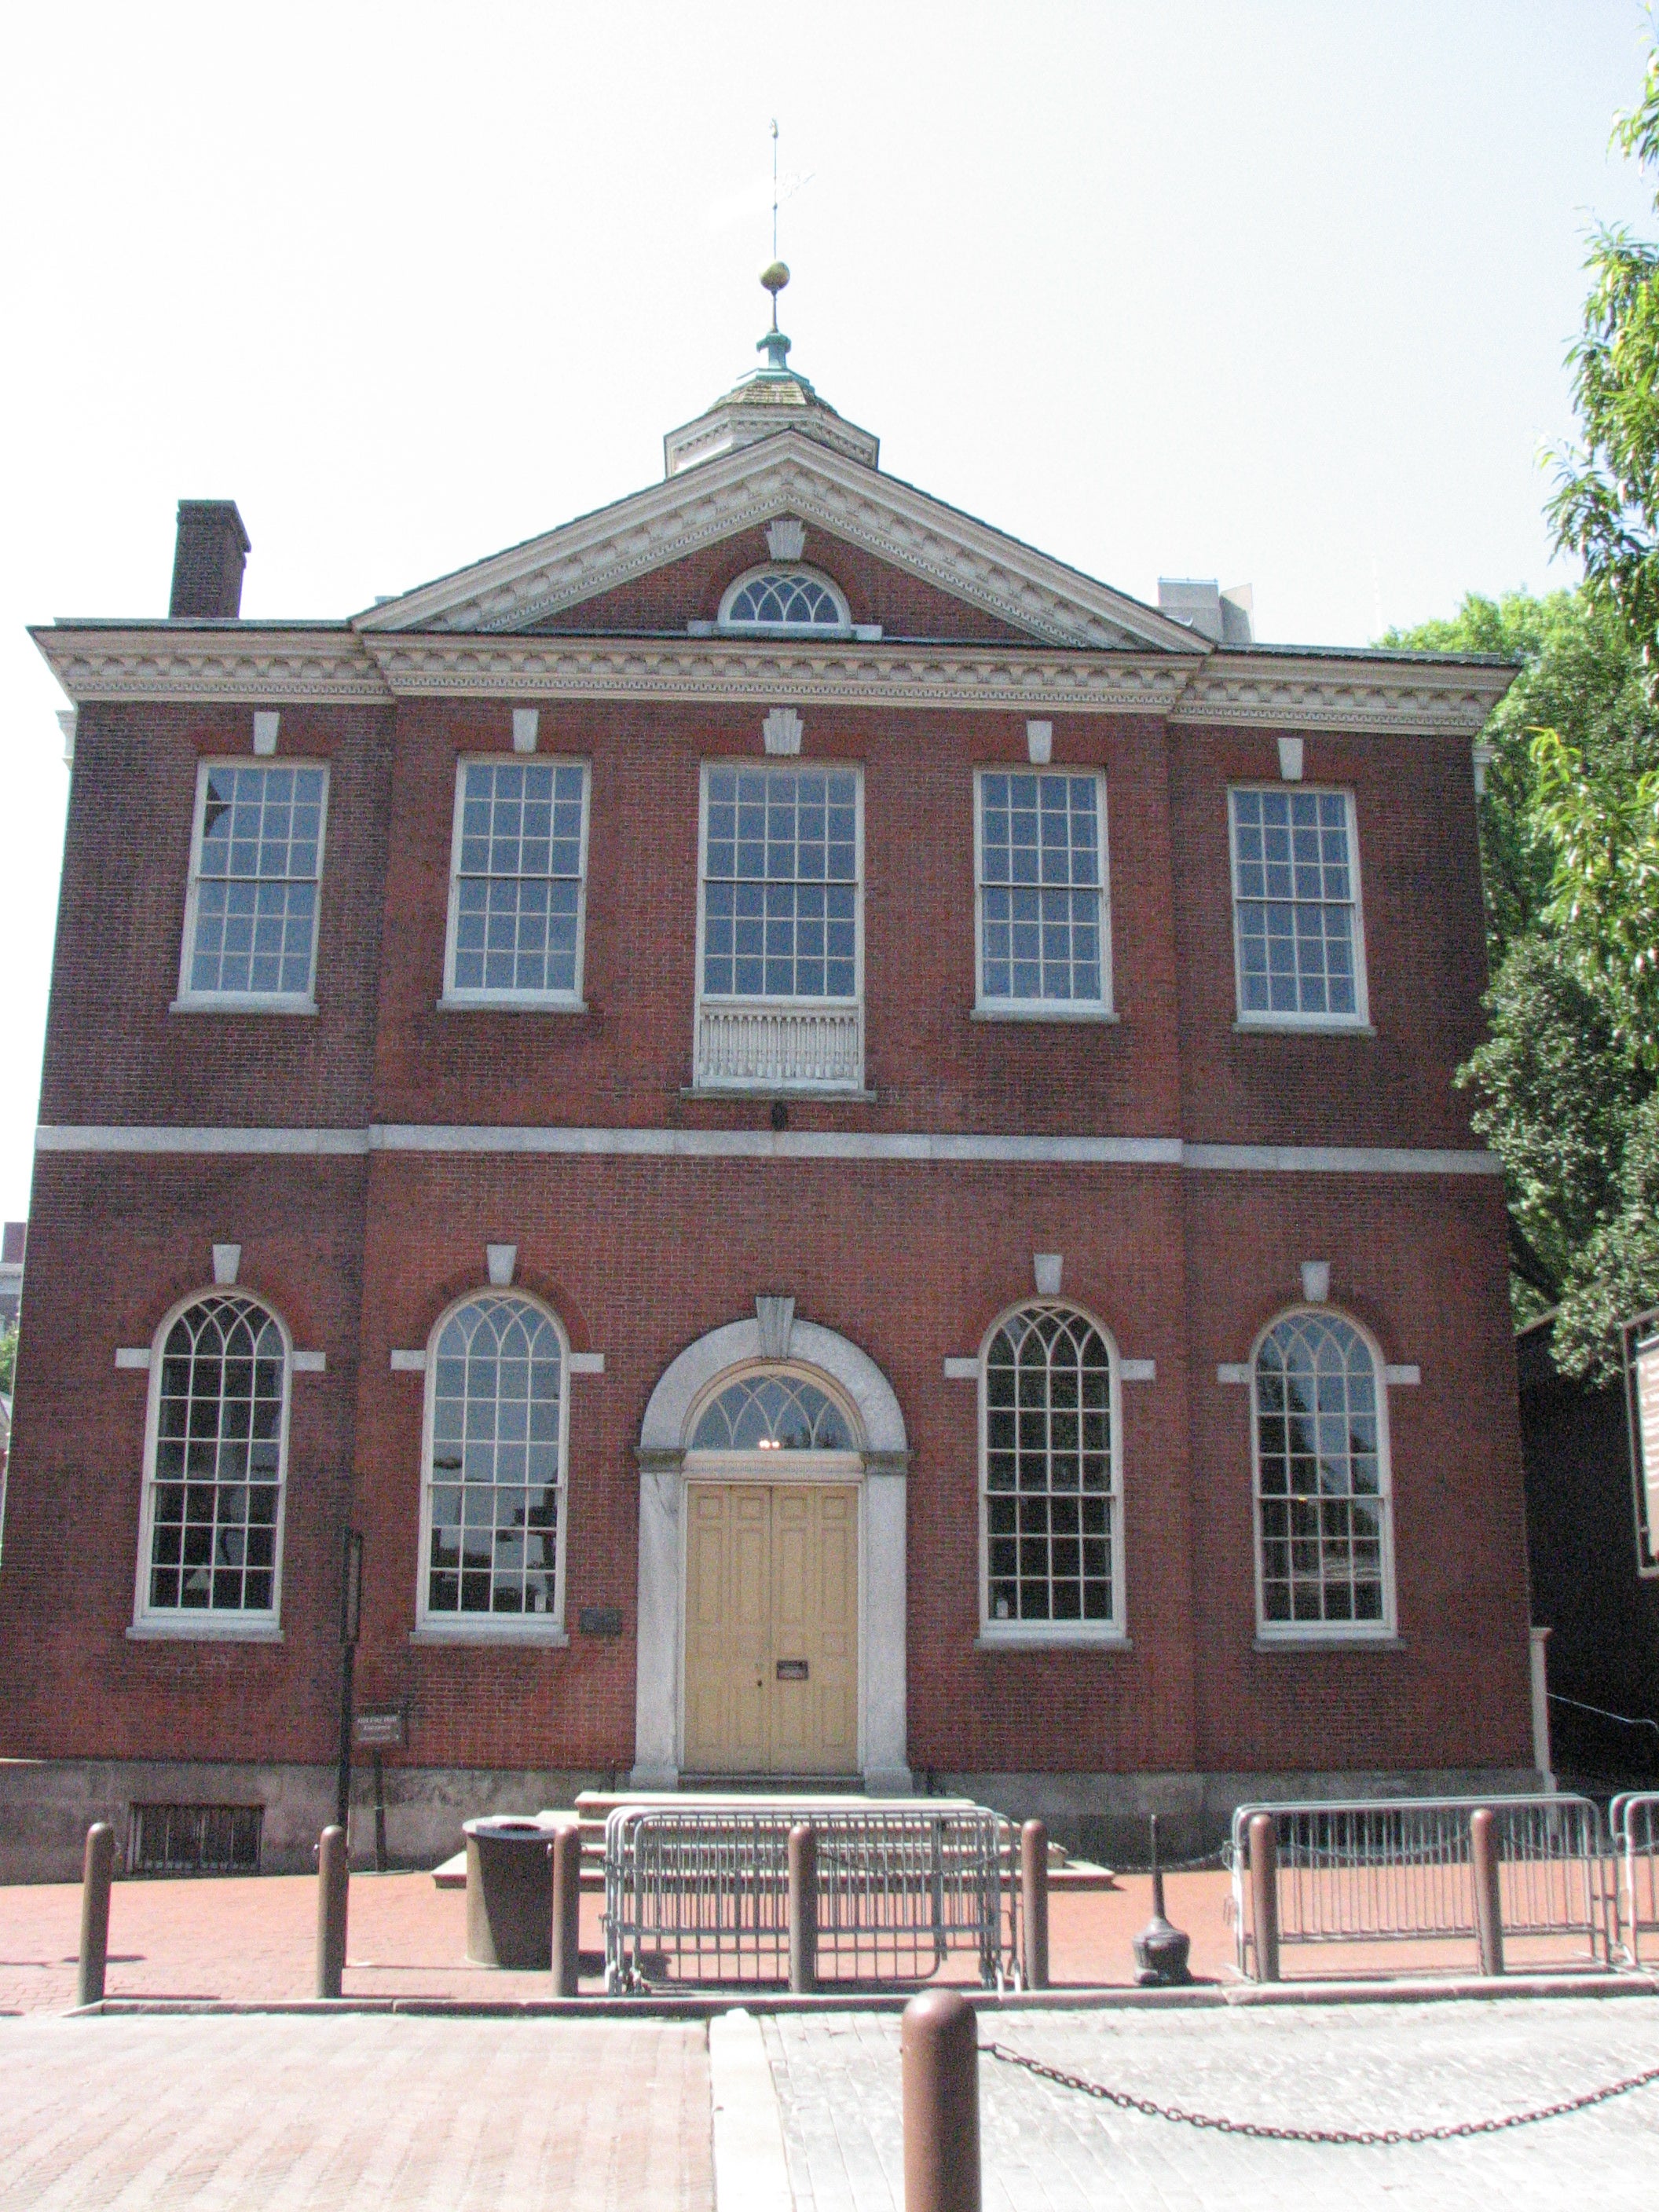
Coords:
pixel 194 1840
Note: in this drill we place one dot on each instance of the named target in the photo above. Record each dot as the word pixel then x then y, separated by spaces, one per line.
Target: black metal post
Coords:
pixel 380 1814
pixel 351 1606
pixel 98 1871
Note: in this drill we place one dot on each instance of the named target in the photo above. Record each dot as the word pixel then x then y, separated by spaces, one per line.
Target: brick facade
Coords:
pixel 639 1255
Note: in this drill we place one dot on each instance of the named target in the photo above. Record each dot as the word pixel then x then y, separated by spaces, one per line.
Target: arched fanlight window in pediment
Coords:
pixel 773 1413
pixel 798 600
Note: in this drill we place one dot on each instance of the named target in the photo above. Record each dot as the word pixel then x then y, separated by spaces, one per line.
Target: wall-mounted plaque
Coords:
pixel 380 1731
pixel 600 1620
pixel 792 1670
pixel 1642 1407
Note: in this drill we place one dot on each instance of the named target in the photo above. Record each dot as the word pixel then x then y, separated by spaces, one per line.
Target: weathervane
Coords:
pixel 774 276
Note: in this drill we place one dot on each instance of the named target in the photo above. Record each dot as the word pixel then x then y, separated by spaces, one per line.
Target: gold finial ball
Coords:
pixel 775 278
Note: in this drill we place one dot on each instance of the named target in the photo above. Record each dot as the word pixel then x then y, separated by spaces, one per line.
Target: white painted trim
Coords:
pixel 311 1363
pixel 1259 1017
pixel 570 1001
pixel 500 1265
pixel 922 1146
pixel 1048 1635
pixel 585 1363
pixel 408 1363
pixel 962 1370
pixel 877 1470
pixel 751 2174
pixel 1116 1630
pixel 1273 1633
pixel 526 723
pixel 150 1137
pixel 1100 1009
pixel 1538 1676
pixel 842 626
pixel 190 1000
pixel 1402 1377
pixel 249 1626
pixel 1289 760
pixel 519 1628
pixel 265 726
pixel 227 1264
pixel 1234 1371
pixel 1137 1370
pixel 134 1358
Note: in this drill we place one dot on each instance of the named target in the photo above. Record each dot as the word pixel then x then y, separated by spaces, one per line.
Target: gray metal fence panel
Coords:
pixel 1633 1823
pixel 702 1895
pixel 1381 1870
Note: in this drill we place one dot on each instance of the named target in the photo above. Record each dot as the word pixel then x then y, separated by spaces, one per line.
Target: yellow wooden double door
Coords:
pixel 771 1628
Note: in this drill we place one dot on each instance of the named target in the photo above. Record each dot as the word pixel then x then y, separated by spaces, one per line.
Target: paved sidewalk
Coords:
pixel 299 2114
pixel 1374 2065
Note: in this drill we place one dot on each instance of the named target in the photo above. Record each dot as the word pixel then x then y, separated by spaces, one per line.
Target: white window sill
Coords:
pixel 241 1002
pixel 509 1002
pixel 1040 1012
pixel 1327 1639
pixel 771 1087
pixel 204 1630
pixel 1029 1636
pixel 1289 1025
pixel 549 1636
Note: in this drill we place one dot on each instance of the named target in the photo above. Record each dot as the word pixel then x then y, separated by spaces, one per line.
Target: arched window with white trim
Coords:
pixel 1324 1548
pixel 772 1412
pixel 800 602
pixel 1050 1479
pixel 493 1491
pixel 211 1529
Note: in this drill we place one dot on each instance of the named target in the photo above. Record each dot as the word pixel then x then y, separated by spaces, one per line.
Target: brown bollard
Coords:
pixel 332 1873
pixel 803 1911
pixel 566 1854
pixel 1264 1894
pixel 97 1873
pixel 939 2049
pixel 1034 1902
pixel 1488 1896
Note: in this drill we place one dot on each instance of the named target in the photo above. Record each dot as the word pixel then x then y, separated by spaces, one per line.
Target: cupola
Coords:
pixel 769 400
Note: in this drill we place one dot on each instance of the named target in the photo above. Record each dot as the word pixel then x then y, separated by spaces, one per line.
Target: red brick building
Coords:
pixel 837 1142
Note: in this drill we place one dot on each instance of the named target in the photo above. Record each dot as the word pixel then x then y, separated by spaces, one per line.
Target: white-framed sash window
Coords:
pixel 1040 868
pixel 256 868
pixel 493 1475
pixel 1323 1505
pixel 1298 928
pixel 1051 1517
pixel 780 928
pixel 216 1466
pixel 518 884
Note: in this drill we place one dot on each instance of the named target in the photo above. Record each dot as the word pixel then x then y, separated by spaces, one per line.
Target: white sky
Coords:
pixel 1271 292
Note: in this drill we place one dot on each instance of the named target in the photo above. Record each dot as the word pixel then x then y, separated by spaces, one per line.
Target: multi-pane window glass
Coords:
pixel 785 597
pixel 1322 1491
pixel 258 858
pixel 216 1494
pixel 495 1475
pixel 1050 1490
pixel 1294 898
pixel 781 883
pixel 518 866
pixel 772 1413
pixel 1040 881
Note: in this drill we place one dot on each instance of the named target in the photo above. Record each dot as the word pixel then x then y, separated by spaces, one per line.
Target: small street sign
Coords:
pixel 378 1731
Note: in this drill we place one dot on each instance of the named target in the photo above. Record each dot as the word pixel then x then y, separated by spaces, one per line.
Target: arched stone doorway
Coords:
pixel 839 1484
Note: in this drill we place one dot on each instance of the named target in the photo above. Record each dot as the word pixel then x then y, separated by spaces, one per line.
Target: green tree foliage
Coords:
pixel 1606 508
pixel 8 1360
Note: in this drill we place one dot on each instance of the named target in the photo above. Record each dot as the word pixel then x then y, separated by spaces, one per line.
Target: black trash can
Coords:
pixel 509 1892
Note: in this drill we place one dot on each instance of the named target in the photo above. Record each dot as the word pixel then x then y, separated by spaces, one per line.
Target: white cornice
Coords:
pixel 546 667
pixel 266 667
pixel 1317 692
pixel 784 475
pixel 271 667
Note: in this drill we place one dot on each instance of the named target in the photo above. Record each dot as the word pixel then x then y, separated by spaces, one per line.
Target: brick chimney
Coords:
pixel 208 560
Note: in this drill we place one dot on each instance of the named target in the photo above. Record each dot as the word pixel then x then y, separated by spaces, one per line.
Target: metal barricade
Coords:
pixel 1388 1871
pixel 701 1894
pixel 1633 1824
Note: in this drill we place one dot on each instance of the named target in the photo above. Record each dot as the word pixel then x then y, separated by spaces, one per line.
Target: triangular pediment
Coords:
pixel 905 529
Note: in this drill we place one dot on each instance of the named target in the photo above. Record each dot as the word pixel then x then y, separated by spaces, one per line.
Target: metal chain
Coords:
pixel 1220 1856
pixel 1259 2131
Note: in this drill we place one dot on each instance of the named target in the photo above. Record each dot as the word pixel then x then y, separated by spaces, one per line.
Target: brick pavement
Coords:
pixel 251 1940
pixel 1050 2150
pixel 298 2114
